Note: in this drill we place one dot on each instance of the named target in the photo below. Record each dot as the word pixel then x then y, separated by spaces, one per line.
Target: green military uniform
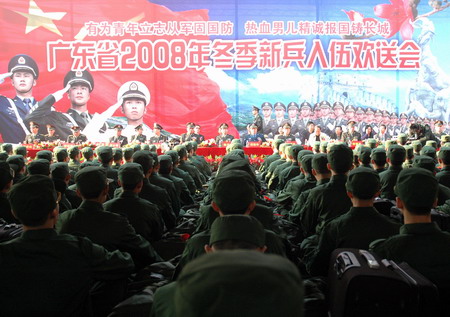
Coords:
pixel 31 138
pixel 189 168
pixel 350 230
pixel 183 193
pixel 388 178
pixel 235 274
pixel 121 139
pixel 55 272
pixel 232 191
pixel 297 186
pixel 143 215
pixel 114 233
pixel 443 176
pixel 77 139
pixel 329 200
pixel 49 287
pixel 421 244
pixel 153 193
pixel 291 171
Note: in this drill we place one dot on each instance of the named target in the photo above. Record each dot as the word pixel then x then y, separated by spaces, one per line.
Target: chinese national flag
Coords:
pixel 177 97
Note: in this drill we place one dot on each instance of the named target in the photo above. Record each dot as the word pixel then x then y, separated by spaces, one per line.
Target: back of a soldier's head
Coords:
pixel 417 188
pixel 33 200
pixel 144 159
pixel 233 192
pixel 340 158
pixel 243 279
pixel 363 183
pixel 130 175
pixel 6 175
pixel 231 232
pixel 91 181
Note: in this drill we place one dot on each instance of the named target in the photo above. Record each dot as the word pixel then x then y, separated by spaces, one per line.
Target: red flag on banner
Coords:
pixel 177 96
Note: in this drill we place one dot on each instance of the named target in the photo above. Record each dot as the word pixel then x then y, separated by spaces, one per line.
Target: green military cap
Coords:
pixel 238 227
pixel 181 149
pixel 145 147
pixel 307 163
pixel 32 199
pixel 73 152
pixel 425 162
pixel 431 143
pixel 323 147
pixel 402 138
pixel 276 143
pixel 194 145
pixel 233 190
pixel 396 153
pixel 378 154
pixel 409 151
pixel 144 159
pixel 6 173
pixel 296 148
pixel 388 143
pixel 364 154
pixel 39 166
pixel 137 147
pixel 45 154
pixel 91 178
pixel 288 150
pixel 316 146
pixel 363 182
pixel 303 153
pixel 3 156
pixel 17 162
pixel 417 187
pixel 444 153
pixel 372 143
pixel 188 146
pixel 151 148
pixel 238 152
pixel 235 146
pixel 340 157
pixel 235 275
pixel 60 170
pixel 117 153
pixel 165 162
pixel 79 77
pixel 428 150
pixel 60 153
pixel 20 150
pixel 319 163
pixel 235 141
pixel 417 146
pixel 130 173
pixel 127 153
pixel 174 155
pixel 445 138
pixel 7 147
pixel 88 150
pixel 104 153
pixel 282 147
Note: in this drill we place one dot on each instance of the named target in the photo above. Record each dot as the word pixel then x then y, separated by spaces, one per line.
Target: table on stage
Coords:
pixel 204 151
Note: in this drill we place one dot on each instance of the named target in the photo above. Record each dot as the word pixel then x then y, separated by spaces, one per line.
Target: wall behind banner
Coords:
pixel 210 61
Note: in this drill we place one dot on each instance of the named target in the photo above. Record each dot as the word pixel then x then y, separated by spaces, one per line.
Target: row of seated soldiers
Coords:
pixel 259 255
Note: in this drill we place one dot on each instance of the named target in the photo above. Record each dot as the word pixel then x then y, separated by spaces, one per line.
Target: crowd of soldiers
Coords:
pixel 306 124
pixel 85 230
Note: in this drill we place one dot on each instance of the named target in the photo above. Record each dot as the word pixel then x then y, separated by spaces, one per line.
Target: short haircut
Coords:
pixel 234 245
pixel 33 199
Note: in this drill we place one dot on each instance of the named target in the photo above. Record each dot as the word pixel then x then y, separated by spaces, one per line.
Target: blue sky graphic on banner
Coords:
pixel 423 91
